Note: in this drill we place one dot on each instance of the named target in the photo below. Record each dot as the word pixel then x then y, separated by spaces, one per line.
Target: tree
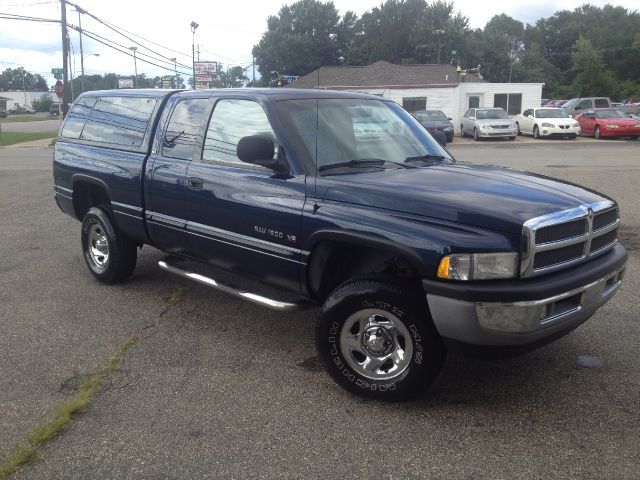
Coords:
pixel 429 42
pixel 301 38
pixel 42 104
pixel 385 33
pixel 20 79
pixel 234 77
pixel 590 77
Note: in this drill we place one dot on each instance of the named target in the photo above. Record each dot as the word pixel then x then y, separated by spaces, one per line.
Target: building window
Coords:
pixel 509 102
pixel 474 101
pixel 413 104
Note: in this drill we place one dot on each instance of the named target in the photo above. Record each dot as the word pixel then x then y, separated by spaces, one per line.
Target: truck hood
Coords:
pixel 484 196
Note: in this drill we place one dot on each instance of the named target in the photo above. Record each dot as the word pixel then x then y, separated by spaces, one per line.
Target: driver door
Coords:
pixel 243 217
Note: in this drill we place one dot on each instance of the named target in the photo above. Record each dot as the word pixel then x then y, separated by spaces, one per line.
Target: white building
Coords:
pixel 420 87
pixel 24 99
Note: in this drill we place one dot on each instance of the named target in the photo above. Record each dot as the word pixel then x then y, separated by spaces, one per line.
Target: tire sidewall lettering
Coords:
pixel 364 383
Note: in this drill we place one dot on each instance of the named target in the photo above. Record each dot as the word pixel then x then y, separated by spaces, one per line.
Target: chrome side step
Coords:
pixel 252 297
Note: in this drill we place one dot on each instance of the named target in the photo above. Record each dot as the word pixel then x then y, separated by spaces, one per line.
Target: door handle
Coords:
pixel 195 183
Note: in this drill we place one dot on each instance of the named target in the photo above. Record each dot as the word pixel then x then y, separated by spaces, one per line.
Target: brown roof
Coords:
pixel 380 74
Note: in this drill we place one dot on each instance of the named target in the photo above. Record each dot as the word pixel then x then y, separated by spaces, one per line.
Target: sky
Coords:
pixel 227 30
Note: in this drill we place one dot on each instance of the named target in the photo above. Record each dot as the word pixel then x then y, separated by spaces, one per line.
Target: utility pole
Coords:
pixel 65 56
pixel 194 25
pixel 81 11
pixel 174 84
pixel 253 65
pixel 135 63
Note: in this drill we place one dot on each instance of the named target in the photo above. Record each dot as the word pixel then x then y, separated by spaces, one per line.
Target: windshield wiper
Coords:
pixel 426 158
pixel 362 162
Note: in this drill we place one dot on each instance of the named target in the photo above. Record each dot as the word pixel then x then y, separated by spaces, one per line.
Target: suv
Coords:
pixel 576 106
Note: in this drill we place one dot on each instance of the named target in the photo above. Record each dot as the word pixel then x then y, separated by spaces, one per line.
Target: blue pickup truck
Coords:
pixel 407 251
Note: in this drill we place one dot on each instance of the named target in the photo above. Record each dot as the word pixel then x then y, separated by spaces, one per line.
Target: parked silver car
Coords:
pixel 488 122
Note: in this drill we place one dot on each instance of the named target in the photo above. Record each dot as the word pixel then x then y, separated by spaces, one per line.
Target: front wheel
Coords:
pixel 596 133
pixel 476 137
pixel 376 339
pixel 536 132
pixel 110 256
pixel 462 132
pixel 519 131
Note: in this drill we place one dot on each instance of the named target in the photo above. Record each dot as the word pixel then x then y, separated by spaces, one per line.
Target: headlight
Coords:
pixel 448 129
pixel 479 266
pixel 484 127
pixel 612 126
pixel 548 125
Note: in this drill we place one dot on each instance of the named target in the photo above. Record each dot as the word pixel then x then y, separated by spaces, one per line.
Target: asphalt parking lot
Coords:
pixel 218 388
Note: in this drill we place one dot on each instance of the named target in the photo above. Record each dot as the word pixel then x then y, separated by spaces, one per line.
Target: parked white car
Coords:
pixel 488 122
pixel 547 122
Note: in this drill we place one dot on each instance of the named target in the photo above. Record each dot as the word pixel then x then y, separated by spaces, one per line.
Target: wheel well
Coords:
pixel 87 195
pixel 332 263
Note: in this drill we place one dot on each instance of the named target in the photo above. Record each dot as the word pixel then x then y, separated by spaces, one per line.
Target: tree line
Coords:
pixel 20 79
pixel 588 51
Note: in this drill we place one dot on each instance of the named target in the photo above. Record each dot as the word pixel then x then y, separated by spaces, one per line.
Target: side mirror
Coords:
pixel 449 118
pixel 529 116
pixel 577 107
pixel 259 150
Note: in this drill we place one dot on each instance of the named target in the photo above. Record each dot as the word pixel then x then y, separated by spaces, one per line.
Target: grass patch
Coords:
pixel 11 138
pixel 64 413
pixel 27 118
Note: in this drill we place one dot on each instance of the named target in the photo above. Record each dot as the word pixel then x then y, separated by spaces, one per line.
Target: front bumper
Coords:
pixel 497 132
pixel 521 317
pixel 559 132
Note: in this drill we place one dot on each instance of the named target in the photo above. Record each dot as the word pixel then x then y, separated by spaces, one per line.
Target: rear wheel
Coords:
pixel 110 256
pixel 376 339
pixel 596 132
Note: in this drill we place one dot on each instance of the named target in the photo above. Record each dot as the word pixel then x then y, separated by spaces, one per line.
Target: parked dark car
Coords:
pixel 435 120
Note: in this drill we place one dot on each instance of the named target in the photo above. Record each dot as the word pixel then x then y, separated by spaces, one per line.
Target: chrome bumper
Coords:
pixel 519 323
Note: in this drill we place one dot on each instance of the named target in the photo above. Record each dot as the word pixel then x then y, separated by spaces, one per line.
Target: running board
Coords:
pixel 251 297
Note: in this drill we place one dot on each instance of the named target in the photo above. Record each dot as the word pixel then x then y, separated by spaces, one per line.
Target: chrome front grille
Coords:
pixel 561 239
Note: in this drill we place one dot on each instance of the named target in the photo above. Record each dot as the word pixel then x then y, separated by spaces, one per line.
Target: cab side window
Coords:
pixel 231 120
pixel 183 132
pixel 584 104
pixel 528 112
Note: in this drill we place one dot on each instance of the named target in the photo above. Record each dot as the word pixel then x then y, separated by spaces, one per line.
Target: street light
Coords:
pixel 135 63
pixel 439 33
pixel 175 69
pixel 194 25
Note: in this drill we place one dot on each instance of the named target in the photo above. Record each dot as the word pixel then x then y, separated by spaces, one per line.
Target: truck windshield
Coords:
pixel 340 133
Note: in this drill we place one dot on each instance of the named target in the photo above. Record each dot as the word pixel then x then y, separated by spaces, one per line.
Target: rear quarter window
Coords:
pixel 121 121
pixel 77 117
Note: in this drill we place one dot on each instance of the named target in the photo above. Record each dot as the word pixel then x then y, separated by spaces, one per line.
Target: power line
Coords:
pixel 108 25
pixel 11 16
pixel 28 4
pixel 110 43
pixel 130 55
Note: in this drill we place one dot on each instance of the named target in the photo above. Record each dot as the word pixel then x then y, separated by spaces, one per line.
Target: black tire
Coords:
pixel 475 134
pixel 384 311
pixel 596 133
pixel 633 138
pixel 512 138
pixel 536 132
pixel 110 256
pixel 518 125
pixel 462 131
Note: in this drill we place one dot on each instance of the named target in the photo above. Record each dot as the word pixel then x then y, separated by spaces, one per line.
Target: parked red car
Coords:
pixel 608 122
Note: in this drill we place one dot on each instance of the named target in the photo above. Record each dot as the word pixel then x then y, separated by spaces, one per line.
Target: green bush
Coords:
pixel 43 104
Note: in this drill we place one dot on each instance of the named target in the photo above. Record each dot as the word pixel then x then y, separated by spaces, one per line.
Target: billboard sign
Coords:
pixel 125 83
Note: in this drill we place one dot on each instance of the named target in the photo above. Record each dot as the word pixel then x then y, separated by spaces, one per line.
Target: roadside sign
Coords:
pixel 57 73
pixel 59 89
pixel 125 83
